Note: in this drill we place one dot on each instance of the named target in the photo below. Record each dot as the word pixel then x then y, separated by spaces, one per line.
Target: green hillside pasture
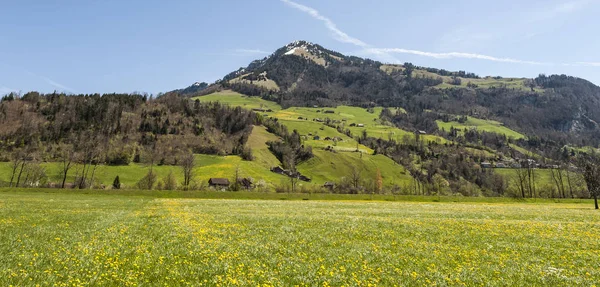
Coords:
pixel 305 128
pixel 290 117
pixel 236 99
pixel 486 82
pixel 481 125
pixel 110 240
pixel 207 166
pixel 257 142
pixel 329 166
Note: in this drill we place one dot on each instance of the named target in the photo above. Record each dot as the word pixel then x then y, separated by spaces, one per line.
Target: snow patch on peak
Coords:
pixel 196 84
pixel 291 51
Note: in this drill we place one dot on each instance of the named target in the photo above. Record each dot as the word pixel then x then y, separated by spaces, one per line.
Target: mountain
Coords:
pixel 557 107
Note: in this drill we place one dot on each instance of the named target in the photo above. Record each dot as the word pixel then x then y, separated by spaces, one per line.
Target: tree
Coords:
pixel 66 155
pixel 590 167
pixel 147 182
pixel 17 159
pixel 408 69
pixel 235 186
pixel 379 181
pixel 116 183
pixel 520 180
pixel 169 182
pixel 187 163
pixel 557 177
pixel 355 177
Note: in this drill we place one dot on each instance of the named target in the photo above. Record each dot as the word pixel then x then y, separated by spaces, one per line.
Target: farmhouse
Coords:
pixel 329 185
pixel 486 164
pixel 500 165
pixel 218 182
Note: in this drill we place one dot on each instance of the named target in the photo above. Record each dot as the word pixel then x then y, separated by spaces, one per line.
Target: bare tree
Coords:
pixel 187 163
pixel 17 160
pixel 530 168
pixel 355 177
pixel 66 154
pixel 520 180
pixel 590 167
pixel 558 178
pixel 90 158
pixel 235 186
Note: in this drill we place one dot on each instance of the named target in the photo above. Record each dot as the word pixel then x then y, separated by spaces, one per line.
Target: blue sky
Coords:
pixel 155 46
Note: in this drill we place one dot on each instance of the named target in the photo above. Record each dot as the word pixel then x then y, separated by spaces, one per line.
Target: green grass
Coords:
pixel 543 179
pixel 328 166
pixel 481 125
pixel 237 99
pixel 258 143
pixel 65 239
pixel 207 166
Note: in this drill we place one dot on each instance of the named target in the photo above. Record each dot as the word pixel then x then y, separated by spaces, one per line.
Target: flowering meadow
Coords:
pixel 113 240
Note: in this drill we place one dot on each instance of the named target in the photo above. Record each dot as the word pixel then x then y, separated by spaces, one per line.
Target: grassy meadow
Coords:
pixel 481 125
pixel 74 239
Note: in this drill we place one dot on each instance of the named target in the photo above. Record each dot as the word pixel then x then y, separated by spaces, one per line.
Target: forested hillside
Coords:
pixel 557 108
pixel 115 129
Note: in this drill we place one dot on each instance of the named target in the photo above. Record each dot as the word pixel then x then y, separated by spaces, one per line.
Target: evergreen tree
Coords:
pixel 116 183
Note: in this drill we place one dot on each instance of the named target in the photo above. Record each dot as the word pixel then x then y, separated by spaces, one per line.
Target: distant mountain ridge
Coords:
pixel 302 73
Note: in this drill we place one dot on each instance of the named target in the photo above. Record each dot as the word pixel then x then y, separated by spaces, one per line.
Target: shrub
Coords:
pixel 116 183
pixel 148 181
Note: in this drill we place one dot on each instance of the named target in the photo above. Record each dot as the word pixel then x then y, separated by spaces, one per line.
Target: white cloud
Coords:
pixel 385 52
pixel 338 34
pixel 588 64
pixel 251 51
pixel 452 55
pixel 62 87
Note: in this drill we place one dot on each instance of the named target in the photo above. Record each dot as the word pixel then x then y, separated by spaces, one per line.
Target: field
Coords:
pixel 484 82
pixel 208 166
pixel 543 179
pixel 67 239
pixel 481 125
pixel 325 166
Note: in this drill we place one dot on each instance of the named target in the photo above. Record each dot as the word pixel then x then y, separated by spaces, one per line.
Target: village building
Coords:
pixel 500 165
pixel 218 182
pixel 329 185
